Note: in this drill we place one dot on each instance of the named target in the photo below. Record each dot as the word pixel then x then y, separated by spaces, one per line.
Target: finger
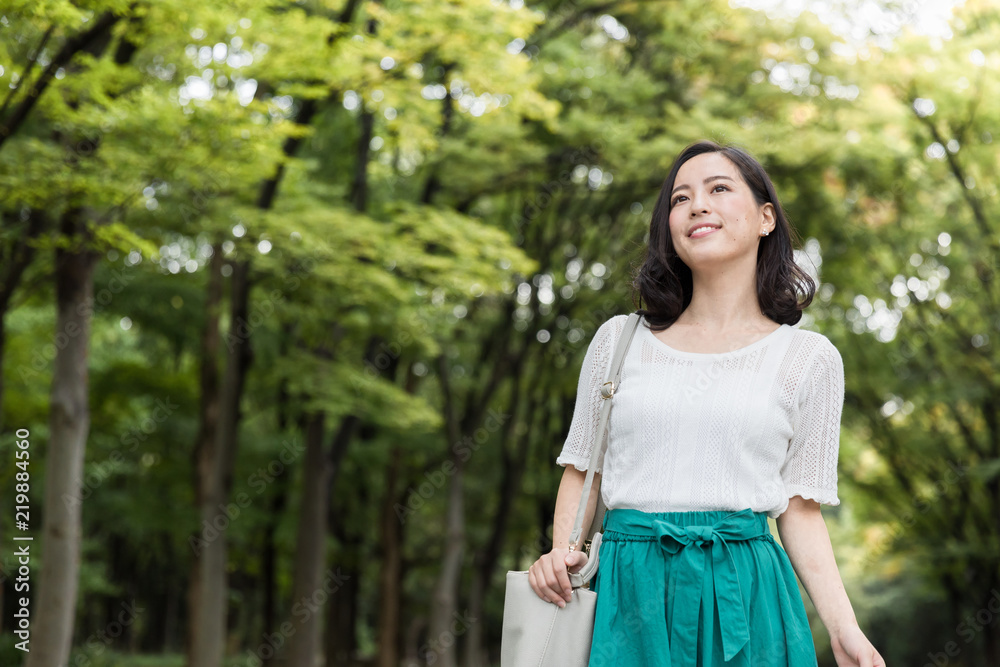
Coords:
pixel 537 584
pixel 575 561
pixel 571 560
pixel 879 660
pixel 535 575
pixel 533 583
pixel 548 567
pixel 565 586
pixel 552 580
pixel 867 658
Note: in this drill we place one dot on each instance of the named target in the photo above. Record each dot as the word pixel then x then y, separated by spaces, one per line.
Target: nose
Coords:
pixel 699 204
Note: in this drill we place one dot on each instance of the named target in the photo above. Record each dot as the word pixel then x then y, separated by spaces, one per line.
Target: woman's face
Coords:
pixel 713 216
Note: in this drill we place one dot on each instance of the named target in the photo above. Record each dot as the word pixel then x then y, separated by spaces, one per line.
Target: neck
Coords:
pixel 724 299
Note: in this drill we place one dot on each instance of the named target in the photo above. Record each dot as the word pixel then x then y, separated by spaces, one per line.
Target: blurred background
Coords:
pixel 294 298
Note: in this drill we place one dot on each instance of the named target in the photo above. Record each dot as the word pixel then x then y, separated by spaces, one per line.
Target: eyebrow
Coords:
pixel 706 181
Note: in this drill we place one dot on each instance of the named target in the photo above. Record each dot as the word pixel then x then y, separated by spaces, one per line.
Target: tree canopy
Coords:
pixel 295 296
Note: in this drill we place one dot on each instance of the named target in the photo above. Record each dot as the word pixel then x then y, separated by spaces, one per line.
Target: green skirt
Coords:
pixel 696 589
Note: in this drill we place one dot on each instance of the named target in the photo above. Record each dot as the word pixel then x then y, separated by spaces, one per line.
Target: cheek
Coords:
pixel 738 224
pixel 734 229
pixel 676 223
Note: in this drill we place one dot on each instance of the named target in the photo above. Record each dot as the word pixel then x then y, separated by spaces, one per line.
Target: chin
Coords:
pixel 709 258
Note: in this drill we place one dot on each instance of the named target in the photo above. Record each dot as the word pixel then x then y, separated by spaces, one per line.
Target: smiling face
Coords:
pixel 714 216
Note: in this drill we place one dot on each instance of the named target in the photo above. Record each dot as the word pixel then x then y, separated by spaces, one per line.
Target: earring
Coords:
pixel 765 233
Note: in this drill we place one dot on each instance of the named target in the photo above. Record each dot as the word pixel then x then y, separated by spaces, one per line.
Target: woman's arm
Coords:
pixel 548 576
pixel 567 503
pixel 806 540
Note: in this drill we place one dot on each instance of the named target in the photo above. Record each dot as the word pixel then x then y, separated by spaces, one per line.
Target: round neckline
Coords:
pixel 713 355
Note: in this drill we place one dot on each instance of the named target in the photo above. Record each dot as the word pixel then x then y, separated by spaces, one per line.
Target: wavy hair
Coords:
pixel 663 281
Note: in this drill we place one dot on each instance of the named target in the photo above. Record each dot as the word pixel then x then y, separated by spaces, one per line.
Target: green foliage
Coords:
pixel 458 215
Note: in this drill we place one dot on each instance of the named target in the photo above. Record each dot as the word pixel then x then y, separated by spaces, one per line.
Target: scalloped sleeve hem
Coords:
pixel 822 496
pixel 576 461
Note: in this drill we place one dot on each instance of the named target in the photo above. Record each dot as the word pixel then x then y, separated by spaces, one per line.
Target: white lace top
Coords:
pixel 712 431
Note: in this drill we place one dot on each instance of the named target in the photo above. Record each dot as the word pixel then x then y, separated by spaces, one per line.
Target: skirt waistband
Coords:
pixel 685 527
pixel 700 540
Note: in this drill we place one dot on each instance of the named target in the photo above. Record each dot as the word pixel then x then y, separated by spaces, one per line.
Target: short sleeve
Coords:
pixel 582 435
pixel 810 467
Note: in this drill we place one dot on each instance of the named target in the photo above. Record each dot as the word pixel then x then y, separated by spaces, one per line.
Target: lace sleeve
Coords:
pixel 579 443
pixel 810 467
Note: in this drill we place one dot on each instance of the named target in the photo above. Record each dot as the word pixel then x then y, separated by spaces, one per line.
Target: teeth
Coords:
pixel 698 229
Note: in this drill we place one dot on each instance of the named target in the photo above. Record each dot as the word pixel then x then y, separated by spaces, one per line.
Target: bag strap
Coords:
pixel 607 391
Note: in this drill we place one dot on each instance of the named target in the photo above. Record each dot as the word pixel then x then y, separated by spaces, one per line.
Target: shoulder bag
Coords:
pixel 537 633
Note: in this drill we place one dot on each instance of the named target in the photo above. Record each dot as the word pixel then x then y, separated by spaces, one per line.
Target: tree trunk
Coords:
pixel 411 652
pixel 341 627
pixel 390 584
pixel 309 589
pixel 485 562
pixel 991 632
pixel 512 471
pixel 342 616
pixel 171 618
pixel 440 647
pixel 270 558
pixel 204 454
pixel 69 424
pixel 446 624
pixel 3 574
pixel 209 611
pixel 475 653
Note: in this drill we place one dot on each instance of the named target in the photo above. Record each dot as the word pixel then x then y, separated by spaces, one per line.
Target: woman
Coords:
pixel 725 415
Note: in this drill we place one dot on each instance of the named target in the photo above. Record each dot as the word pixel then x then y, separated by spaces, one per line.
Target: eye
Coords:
pixel 720 185
pixel 676 199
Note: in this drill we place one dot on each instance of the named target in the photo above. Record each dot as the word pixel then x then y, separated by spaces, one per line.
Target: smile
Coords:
pixel 703 231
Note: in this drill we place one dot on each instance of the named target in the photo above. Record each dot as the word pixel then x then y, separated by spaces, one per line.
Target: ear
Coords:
pixel 768 220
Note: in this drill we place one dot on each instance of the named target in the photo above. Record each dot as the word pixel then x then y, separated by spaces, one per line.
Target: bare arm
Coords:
pixel 806 540
pixel 567 503
pixel 549 575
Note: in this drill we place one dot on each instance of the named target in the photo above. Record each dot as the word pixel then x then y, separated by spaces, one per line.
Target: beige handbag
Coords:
pixel 537 633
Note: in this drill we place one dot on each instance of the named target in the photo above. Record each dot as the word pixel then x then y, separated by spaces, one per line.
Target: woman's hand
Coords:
pixel 852 649
pixel 549 575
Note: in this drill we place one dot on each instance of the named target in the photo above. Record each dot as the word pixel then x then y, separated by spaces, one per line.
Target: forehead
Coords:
pixel 704 166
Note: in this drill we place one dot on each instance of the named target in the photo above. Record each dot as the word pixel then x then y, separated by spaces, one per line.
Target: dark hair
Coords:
pixel 663 282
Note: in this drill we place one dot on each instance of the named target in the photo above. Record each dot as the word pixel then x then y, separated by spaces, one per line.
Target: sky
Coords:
pixel 854 20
